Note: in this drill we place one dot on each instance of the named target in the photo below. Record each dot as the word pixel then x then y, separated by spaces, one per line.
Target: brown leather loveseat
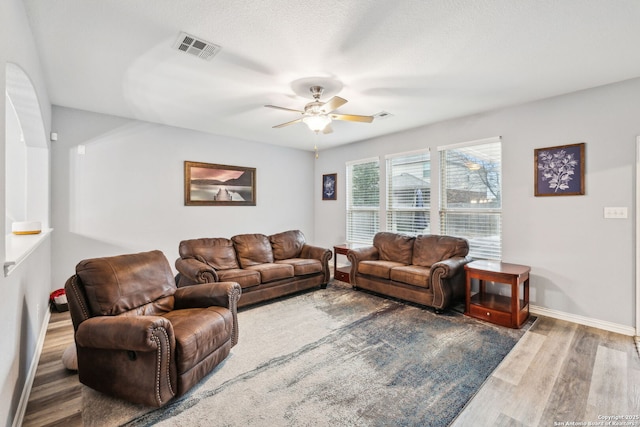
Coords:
pixel 426 269
pixel 140 338
pixel 266 267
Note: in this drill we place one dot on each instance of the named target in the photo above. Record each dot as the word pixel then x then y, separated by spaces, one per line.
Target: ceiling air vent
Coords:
pixel 382 115
pixel 196 47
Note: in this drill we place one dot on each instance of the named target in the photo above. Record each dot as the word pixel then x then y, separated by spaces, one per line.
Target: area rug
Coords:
pixel 334 357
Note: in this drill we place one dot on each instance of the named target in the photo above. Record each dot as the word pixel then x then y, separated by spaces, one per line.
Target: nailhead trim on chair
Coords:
pixel 80 300
pixel 159 353
pixel 234 295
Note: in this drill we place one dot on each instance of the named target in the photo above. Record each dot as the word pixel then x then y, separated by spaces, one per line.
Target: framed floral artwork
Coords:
pixel 559 171
pixel 329 182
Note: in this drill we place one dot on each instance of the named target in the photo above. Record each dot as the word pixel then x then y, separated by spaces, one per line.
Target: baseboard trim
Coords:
pixel 587 321
pixel 26 390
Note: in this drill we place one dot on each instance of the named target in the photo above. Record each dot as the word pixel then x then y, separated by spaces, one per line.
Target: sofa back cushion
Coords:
pixel 430 248
pixel 394 247
pixel 287 245
pixel 118 284
pixel 252 249
pixel 218 252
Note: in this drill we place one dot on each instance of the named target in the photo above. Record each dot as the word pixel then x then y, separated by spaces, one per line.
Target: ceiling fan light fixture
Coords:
pixel 317 123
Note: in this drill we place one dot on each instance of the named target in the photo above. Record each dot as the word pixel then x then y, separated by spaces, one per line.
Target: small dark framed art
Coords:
pixel 207 184
pixel 329 183
pixel 559 171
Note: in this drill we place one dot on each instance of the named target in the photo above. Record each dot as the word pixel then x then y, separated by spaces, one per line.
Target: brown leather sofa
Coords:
pixel 427 269
pixel 266 267
pixel 138 336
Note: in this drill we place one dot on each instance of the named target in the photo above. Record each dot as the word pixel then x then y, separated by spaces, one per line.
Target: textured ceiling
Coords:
pixel 422 61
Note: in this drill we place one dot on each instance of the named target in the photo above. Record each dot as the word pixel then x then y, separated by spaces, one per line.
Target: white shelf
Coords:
pixel 19 247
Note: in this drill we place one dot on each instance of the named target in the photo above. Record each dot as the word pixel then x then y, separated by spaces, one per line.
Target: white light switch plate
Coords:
pixel 615 213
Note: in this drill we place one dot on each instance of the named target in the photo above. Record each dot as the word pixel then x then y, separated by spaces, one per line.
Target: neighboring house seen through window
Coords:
pixel 471 195
pixel 408 193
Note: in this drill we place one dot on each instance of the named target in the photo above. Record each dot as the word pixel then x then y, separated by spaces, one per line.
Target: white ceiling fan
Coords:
pixel 317 115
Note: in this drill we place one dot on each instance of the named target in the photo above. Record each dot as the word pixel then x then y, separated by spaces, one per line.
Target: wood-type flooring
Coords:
pixel 559 374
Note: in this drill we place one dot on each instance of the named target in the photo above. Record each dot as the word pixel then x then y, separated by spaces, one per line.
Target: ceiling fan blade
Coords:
pixel 327 129
pixel 292 122
pixel 333 104
pixel 285 109
pixel 352 118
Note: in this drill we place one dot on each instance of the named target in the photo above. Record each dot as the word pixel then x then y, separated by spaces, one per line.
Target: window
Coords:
pixel 408 193
pixel 15 168
pixel 471 195
pixel 363 200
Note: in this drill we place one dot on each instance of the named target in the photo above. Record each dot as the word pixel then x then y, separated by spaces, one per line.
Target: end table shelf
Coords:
pixel 341 273
pixel 502 310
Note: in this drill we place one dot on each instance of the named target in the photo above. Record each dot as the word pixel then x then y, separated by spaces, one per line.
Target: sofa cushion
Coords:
pixel 380 269
pixel 394 247
pixel 270 272
pixel 252 249
pixel 118 284
pixel 198 332
pixel 287 244
pixel 218 252
pixel 412 275
pixel 245 278
pixel 303 266
pixel 430 248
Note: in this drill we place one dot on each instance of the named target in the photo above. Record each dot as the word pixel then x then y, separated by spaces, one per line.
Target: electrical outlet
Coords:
pixel 615 213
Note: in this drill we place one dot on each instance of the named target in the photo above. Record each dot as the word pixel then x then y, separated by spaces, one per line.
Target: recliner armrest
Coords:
pixel 135 333
pixel 222 294
pixel 196 271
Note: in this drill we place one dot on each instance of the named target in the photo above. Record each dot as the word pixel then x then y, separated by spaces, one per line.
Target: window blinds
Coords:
pixel 471 195
pixel 408 193
pixel 363 200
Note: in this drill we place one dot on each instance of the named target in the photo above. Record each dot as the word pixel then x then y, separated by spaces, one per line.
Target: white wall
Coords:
pixel 582 264
pixel 126 193
pixel 25 292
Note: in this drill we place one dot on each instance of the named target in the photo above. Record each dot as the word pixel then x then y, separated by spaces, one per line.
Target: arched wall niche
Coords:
pixel 26 160
pixel 25 101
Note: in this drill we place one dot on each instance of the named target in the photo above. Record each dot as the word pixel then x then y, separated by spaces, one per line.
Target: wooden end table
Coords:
pixel 510 311
pixel 341 273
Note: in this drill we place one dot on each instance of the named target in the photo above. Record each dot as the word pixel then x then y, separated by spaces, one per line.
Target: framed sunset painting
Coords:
pixel 207 184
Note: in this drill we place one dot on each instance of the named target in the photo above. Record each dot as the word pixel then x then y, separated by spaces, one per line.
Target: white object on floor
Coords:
pixel 70 358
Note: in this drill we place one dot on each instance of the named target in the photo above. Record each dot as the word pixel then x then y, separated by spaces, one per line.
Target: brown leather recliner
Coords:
pixel 138 336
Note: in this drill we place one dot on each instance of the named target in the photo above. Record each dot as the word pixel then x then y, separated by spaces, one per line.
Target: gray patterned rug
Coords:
pixel 334 357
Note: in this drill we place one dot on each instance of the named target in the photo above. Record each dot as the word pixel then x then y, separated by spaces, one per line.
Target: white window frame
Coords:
pixel 352 235
pixel 481 247
pixel 416 212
